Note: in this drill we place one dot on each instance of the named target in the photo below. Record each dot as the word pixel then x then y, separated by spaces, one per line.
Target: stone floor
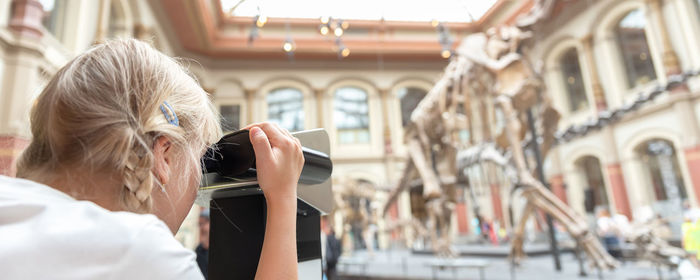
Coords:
pixel 402 264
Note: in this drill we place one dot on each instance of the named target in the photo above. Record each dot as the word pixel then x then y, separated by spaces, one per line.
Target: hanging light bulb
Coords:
pixel 345 52
pixel 446 53
pixel 262 20
pixel 288 45
pixel 325 19
pixel 434 22
pixel 324 29
pixel 338 31
pixel 345 25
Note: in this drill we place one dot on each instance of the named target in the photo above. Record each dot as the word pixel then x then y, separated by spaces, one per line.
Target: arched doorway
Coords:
pixel 663 174
pixel 633 44
pixel 594 191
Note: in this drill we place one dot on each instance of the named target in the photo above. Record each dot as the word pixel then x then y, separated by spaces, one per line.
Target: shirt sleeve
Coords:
pixel 156 254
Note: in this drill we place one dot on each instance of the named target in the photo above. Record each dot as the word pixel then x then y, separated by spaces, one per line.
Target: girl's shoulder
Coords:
pixel 40 225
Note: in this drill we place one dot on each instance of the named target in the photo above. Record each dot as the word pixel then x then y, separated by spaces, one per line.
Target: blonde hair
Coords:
pixel 102 112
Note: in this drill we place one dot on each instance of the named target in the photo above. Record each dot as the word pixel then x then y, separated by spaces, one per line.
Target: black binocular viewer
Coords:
pixel 238 210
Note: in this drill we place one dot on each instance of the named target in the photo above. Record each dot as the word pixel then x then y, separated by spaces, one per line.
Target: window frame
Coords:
pixel 301 101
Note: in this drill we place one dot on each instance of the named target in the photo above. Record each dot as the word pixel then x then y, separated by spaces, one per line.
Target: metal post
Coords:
pixel 581 270
pixel 540 173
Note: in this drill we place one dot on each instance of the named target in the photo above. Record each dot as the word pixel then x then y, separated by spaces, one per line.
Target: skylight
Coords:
pixel 390 10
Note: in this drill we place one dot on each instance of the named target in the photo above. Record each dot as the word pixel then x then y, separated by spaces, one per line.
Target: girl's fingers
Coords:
pixel 261 144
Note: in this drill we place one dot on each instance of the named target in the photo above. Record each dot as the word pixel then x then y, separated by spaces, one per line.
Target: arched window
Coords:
pixel 285 106
pixel 351 115
pixel 573 80
pixel 117 26
pixel 634 49
pixel 594 192
pixel 659 158
pixel 410 97
pixel 230 117
pixel 50 17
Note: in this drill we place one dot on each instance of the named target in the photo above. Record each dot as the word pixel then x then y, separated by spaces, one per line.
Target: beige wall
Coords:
pixel 672 117
pixel 25 65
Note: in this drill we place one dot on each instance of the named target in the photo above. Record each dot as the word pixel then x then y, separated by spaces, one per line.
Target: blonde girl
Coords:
pixel 113 168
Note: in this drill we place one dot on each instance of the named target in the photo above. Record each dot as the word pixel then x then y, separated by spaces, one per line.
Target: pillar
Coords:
pixel 143 32
pixel 319 95
pixel 692 157
pixel 249 103
pixel 462 218
pixel 394 218
pixel 10 149
pixel 557 185
pixel 384 96
pixel 670 58
pixel 619 190
pixel 26 17
pixel 19 80
pixel 598 93
pixel 496 202
pixel 102 22
pixel 405 215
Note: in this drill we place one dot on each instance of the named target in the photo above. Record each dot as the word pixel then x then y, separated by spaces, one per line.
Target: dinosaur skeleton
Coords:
pixel 493 70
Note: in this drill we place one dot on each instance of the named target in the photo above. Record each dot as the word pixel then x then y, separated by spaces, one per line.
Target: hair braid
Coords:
pixel 138 177
pixel 99 116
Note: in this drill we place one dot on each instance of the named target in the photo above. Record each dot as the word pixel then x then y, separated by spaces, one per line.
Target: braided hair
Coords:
pixel 101 112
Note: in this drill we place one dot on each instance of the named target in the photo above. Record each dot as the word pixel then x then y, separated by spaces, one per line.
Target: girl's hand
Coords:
pixel 279 160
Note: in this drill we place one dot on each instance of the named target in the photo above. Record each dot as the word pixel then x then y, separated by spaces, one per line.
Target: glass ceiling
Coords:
pixel 390 10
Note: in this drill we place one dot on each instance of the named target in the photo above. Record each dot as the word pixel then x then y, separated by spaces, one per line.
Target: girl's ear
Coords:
pixel 162 155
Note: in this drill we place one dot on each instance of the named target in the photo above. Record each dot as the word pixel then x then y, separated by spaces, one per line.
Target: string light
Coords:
pixel 343 51
pixel 324 30
pixel 325 19
pixel 338 32
pixel 262 20
pixel 444 38
pixel 345 25
pixel 288 46
pixel 253 34
pixel 446 53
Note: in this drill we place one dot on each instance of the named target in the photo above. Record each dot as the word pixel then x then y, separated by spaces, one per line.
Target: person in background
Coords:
pixel 331 249
pixel 202 249
pixel 609 232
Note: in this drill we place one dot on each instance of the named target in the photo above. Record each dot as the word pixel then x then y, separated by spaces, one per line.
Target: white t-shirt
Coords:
pixel 46 234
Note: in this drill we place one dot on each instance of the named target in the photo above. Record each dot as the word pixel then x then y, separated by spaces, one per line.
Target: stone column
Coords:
pixel 102 22
pixel 26 18
pixel 320 100
pixel 619 190
pixel 20 79
pixel 384 95
pixel 598 92
pixel 10 149
pixel 249 103
pixel 692 157
pixel 496 202
pixel 143 32
pixel 558 188
pixel 462 217
pixel 670 58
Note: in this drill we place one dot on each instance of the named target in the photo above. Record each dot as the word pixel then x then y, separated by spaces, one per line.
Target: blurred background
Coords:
pixel 359 68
